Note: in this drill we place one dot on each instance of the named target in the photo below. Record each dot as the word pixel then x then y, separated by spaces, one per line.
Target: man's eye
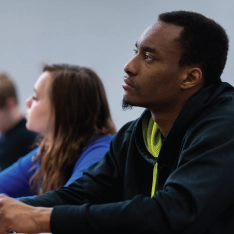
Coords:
pixel 149 58
pixel 135 51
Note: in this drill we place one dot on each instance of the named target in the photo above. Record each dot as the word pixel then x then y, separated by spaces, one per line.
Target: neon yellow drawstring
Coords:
pixel 153 143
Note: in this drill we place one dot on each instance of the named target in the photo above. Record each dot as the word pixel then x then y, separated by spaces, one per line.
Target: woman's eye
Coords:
pixel 135 51
pixel 34 98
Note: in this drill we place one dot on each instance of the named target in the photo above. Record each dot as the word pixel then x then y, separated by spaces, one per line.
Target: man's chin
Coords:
pixel 126 105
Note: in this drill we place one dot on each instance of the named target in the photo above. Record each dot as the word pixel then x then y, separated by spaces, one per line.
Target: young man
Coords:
pixel 15 139
pixel 171 170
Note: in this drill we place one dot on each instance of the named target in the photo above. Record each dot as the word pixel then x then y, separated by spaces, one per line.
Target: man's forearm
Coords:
pixel 41 217
pixel 22 218
pixel 49 199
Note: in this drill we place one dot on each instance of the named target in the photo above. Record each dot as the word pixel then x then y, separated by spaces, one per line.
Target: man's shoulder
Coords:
pixel 21 131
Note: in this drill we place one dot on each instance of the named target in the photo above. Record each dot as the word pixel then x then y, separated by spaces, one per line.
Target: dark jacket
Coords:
pixel 195 192
pixel 15 143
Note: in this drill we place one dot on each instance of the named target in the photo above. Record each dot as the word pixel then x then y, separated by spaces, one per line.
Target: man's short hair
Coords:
pixel 203 42
pixel 7 89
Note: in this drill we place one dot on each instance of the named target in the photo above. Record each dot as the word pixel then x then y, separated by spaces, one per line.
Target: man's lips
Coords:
pixel 127 83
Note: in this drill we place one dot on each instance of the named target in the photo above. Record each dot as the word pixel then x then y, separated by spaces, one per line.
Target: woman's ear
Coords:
pixel 194 77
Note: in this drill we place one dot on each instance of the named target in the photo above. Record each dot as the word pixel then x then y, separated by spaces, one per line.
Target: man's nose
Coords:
pixel 132 66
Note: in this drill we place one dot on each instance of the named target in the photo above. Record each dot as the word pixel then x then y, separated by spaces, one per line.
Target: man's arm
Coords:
pixel 101 183
pixel 22 218
pixel 194 196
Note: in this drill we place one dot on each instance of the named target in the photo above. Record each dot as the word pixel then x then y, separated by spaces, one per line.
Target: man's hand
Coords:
pixel 17 216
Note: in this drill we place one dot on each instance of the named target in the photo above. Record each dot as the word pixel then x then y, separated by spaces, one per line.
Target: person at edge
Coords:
pixel 170 170
pixel 15 139
pixel 77 129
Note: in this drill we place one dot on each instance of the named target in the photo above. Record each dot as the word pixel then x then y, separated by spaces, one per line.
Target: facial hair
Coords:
pixel 126 105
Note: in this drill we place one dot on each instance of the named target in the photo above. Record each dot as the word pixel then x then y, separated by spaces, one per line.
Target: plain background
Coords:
pixel 99 34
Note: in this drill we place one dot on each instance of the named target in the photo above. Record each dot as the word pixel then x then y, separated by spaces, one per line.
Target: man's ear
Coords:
pixel 194 77
pixel 10 102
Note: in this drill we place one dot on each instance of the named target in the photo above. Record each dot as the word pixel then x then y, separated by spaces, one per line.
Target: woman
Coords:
pixel 69 109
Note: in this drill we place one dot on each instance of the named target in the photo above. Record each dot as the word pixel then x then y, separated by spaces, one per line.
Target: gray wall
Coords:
pixel 96 33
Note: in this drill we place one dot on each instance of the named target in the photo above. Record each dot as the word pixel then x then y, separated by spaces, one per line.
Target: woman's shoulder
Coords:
pixel 102 140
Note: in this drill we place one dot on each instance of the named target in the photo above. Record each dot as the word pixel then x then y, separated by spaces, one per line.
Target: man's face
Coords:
pixel 154 76
pixel 4 119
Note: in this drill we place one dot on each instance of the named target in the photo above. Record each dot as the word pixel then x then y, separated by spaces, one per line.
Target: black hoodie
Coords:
pixel 195 192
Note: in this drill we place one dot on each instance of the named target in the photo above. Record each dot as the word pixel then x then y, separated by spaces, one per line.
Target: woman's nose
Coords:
pixel 28 102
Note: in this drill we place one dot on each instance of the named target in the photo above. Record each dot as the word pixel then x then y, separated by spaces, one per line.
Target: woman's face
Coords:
pixel 40 117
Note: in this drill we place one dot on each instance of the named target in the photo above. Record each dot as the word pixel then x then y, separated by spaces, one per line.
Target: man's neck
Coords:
pixel 14 117
pixel 164 122
pixel 166 116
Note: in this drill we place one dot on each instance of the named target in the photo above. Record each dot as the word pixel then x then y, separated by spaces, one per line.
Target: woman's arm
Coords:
pixel 14 180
